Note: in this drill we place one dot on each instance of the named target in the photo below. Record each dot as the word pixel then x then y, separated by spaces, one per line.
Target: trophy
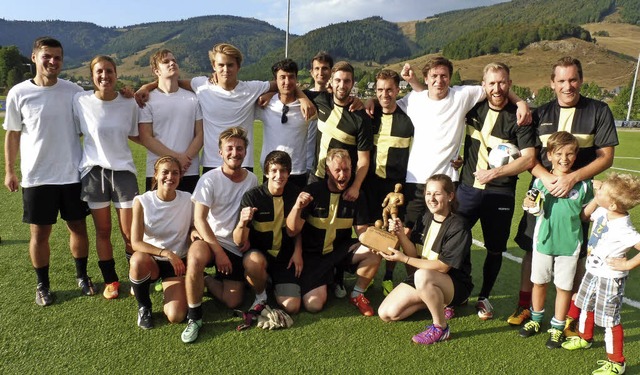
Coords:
pixel 377 237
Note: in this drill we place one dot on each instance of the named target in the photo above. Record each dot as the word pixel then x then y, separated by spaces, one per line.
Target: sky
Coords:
pixel 306 15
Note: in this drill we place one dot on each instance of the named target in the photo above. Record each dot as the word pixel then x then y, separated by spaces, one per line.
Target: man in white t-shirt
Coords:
pixel 217 200
pixel 171 122
pixel 438 115
pixel 226 101
pixel 39 124
pixel 284 126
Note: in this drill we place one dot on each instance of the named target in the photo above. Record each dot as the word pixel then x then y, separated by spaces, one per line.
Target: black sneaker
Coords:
pixel 530 328
pixel 43 295
pixel 86 286
pixel 144 318
pixel 556 337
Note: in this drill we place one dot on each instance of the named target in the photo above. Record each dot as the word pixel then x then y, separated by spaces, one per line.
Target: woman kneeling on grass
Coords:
pixel 161 235
pixel 438 256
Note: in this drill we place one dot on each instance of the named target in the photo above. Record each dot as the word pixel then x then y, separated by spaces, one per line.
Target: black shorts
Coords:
pixel 461 291
pixel 375 190
pixel 278 271
pixel 493 208
pixel 187 183
pixel 41 204
pixel 416 207
pixel 237 273
pixel 318 268
pixel 166 269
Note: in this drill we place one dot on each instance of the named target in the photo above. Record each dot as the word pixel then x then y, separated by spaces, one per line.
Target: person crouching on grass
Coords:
pixel 602 288
pixel 161 234
pixel 439 253
pixel 557 238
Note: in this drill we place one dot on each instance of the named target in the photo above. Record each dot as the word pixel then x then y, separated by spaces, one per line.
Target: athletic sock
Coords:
pixel 574 311
pixel 490 271
pixel 81 266
pixel 558 324
pixel 260 298
pixel 195 311
pixel 537 316
pixel 614 343
pixel 108 269
pixel 141 291
pixel 42 275
pixel 356 291
pixel 524 299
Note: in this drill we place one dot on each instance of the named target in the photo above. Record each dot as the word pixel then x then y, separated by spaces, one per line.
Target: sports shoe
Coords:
pixel 530 328
pixel 339 291
pixel 485 310
pixel 610 368
pixel 449 313
pixel 431 335
pixel 111 290
pixel 144 318
pixel 43 295
pixel 556 337
pixel 362 303
pixel 86 286
pixel 387 287
pixel 576 342
pixel 521 315
pixel 190 334
pixel 571 327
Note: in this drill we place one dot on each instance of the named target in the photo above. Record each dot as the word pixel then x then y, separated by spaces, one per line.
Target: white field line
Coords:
pixel 624 169
pixel 626 157
pixel 516 259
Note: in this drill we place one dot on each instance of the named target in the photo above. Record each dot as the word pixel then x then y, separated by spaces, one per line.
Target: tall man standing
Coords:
pixel 321 65
pixel 171 122
pixel 591 121
pixel 39 123
pixel 488 194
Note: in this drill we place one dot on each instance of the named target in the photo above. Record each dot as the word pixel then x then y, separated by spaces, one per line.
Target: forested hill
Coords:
pixel 506 27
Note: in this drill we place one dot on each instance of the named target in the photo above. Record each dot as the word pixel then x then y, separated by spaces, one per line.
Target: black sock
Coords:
pixel 141 291
pixel 108 269
pixel 490 271
pixel 42 275
pixel 81 266
pixel 195 313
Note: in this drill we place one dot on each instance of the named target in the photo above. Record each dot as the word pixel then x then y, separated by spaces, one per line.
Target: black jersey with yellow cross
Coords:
pixel 486 129
pixel 590 121
pixel 392 136
pixel 329 219
pixel 339 128
pixel 267 229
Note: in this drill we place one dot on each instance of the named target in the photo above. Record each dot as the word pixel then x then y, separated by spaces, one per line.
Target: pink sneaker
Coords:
pixel 449 313
pixel 431 335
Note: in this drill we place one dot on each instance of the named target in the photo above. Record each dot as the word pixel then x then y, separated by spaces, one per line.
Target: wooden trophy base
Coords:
pixel 379 240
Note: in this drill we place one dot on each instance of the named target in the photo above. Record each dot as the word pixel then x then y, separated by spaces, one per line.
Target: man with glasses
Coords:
pixel 285 128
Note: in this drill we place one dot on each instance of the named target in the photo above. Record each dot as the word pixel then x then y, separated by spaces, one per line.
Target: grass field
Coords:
pixel 92 335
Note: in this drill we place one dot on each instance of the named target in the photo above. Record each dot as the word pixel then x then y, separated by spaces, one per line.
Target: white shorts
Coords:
pixel 561 268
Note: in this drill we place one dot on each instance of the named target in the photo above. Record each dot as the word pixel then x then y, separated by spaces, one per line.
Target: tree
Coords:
pixel 620 104
pixel 523 92
pixel 544 95
pixel 593 91
pixel 456 79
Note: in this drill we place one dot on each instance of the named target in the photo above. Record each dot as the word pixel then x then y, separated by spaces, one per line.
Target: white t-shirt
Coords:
pixel 609 239
pixel 439 128
pixel 167 224
pixel 222 196
pixel 106 126
pixel 290 137
pixel 50 149
pixel 173 116
pixel 222 109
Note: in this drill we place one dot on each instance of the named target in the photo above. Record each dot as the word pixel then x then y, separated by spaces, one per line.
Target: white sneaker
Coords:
pixel 485 310
pixel 339 291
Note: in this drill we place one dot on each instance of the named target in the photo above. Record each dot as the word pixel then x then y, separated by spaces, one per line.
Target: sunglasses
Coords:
pixel 285 110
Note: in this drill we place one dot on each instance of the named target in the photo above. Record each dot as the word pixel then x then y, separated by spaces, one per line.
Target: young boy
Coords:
pixel 557 238
pixel 602 288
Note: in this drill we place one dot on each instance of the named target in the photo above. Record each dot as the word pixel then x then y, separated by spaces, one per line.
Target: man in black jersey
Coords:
pixel 488 194
pixel 589 120
pixel 325 218
pixel 273 251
